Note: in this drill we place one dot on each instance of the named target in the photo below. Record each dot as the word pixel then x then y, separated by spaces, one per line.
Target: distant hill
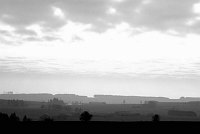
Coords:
pixel 109 99
pixel 67 98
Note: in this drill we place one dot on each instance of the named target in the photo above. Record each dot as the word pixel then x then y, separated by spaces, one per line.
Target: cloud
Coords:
pixel 105 54
pixel 58 12
pixel 158 15
pixel 22 13
pixel 147 69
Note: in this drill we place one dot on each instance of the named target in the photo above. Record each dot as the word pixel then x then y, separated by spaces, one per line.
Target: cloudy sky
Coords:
pixel 86 47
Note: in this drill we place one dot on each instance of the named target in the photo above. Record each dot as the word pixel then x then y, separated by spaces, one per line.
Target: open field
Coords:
pixel 103 127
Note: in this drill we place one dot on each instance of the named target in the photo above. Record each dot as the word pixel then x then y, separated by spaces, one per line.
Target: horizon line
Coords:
pixel 11 93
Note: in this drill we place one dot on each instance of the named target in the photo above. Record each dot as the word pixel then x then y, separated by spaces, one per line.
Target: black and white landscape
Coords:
pixel 117 60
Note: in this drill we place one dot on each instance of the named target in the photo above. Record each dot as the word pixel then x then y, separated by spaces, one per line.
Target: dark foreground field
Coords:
pixel 102 127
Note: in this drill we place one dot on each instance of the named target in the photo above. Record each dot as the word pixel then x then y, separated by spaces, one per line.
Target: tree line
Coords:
pixel 84 116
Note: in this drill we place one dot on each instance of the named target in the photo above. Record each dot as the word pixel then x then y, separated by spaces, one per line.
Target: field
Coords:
pixel 107 112
pixel 102 127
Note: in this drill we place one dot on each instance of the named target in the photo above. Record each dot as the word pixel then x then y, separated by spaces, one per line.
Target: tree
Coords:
pixel 14 117
pixel 46 118
pixel 156 118
pixel 25 119
pixel 4 117
pixel 85 116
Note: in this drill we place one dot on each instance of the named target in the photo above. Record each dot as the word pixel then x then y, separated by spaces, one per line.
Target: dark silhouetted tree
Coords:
pixel 85 116
pixel 156 118
pixel 26 119
pixel 46 118
pixel 14 117
pixel 4 117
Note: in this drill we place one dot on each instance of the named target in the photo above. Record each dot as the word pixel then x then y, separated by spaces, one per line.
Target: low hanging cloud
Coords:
pixel 160 15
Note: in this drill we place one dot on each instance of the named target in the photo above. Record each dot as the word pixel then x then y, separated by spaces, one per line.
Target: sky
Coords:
pixel 87 47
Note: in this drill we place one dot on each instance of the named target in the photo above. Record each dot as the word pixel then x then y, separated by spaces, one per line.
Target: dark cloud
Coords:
pixel 88 11
pixel 26 32
pixel 171 14
pixel 154 15
pixel 21 13
pixel 4 32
